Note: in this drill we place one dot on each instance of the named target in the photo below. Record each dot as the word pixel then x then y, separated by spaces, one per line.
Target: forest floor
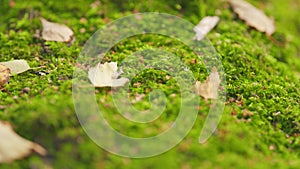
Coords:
pixel 260 123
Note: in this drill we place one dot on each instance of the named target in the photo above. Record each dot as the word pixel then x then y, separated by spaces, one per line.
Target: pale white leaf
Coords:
pixel 16 66
pixel 105 75
pixel 56 32
pixel 253 16
pixel 13 146
pixel 209 89
pixel 205 26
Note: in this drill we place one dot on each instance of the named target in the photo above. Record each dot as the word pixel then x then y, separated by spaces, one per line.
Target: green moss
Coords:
pixel 260 74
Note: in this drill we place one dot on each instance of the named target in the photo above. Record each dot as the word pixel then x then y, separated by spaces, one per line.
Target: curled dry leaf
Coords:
pixel 209 89
pixel 253 16
pixel 16 66
pixel 56 32
pixel 4 74
pixel 13 147
pixel 105 75
pixel 205 26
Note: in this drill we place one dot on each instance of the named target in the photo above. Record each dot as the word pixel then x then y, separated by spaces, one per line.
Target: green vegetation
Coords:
pixel 260 126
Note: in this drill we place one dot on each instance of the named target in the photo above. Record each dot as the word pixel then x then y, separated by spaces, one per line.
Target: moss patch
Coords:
pixel 260 124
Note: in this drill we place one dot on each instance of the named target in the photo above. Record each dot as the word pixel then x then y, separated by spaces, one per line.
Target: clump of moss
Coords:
pixel 260 124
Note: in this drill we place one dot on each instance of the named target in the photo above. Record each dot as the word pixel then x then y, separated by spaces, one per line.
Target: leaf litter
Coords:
pixel 106 75
pixel 209 88
pixel 253 16
pixel 205 26
pixel 16 66
pixel 14 147
pixel 4 74
pixel 56 32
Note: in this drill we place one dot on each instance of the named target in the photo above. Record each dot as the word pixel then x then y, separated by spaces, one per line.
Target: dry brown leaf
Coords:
pixel 106 75
pixel 209 89
pixel 56 32
pixel 253 16
pixel 13 147
pixel 16 66
pixel 4 74
pixel 205 26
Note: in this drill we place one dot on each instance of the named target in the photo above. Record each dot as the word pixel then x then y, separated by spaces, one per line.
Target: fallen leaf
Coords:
pixel 13 147
pixel 105 75
pixel 209 89
pixel 205 26
pixel 4 74
pixel 16 66
pixel 56 32
pixel 253 16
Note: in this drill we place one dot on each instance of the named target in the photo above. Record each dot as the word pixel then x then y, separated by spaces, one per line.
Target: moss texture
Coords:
pixel 260 124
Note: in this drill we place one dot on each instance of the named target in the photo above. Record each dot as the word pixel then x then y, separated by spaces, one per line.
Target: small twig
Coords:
pixel 34 68
pixel 276 41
